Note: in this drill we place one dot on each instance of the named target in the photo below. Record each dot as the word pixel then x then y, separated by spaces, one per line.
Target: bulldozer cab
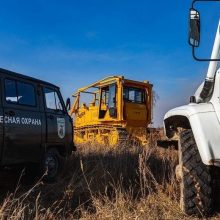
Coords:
pixel 115 99
pixel 134 102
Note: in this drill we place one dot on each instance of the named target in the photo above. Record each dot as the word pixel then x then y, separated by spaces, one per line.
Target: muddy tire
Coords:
pixel 52 165
pixel 194 178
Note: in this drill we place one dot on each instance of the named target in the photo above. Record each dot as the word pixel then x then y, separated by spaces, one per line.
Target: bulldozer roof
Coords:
pixel 111 79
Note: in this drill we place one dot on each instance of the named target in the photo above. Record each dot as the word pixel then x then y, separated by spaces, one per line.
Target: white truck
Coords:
pixel 198 127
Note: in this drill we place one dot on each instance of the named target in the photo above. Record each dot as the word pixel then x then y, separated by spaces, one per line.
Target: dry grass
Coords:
pixel 101 184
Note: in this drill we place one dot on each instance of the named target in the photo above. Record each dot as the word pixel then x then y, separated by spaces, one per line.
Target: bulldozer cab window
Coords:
pixel 112 101
pixel 108 101
pixel 134 95
pixel 112 94
pixel 103 101
pixel 104 97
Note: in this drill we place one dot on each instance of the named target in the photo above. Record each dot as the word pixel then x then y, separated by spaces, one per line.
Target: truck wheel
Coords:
pixel 194 178
pixel 51 165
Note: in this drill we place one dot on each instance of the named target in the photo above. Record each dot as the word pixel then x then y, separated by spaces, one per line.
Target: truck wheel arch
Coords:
pixel 172 124
pixel 205 133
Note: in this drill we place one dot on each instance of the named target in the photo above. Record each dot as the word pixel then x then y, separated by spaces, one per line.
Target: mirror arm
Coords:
pixel 201 59
pixel 194 1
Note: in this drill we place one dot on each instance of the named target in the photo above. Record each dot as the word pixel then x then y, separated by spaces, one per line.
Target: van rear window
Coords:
pixel 19 93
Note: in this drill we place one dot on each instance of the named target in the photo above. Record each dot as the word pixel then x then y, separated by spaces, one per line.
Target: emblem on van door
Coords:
pixel 61 127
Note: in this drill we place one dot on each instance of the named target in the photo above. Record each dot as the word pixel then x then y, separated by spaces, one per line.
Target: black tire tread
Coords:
pixel 196 180
pixel 48 179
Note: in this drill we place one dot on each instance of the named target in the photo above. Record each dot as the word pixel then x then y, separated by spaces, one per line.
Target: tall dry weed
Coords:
pixel 122 183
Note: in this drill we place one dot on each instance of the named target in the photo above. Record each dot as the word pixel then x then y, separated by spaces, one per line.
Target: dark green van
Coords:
pixel 34 124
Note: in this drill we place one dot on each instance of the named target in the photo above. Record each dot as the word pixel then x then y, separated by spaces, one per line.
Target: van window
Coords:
pixel 26 95
pixel 19 93
pixel 10 91
pixel 52 99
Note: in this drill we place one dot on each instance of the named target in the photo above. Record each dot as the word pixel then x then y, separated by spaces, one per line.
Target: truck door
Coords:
pixel 22 122
pixel 58 122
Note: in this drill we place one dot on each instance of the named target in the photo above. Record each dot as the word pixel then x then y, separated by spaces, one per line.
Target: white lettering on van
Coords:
pixel 19 120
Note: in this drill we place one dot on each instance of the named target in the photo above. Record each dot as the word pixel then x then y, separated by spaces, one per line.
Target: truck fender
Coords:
pixel 205 127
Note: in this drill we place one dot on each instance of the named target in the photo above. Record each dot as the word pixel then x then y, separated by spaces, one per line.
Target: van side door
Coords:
pixel 22 121
pixel 59 130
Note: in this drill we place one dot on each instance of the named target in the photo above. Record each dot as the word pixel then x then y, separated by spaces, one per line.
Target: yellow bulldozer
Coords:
pixel 111 111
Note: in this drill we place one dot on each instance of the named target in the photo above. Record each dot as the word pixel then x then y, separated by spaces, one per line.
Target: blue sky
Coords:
pixel 73 43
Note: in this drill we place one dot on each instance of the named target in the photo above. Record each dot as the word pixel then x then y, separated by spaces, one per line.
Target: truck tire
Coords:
pixel 194 177
pixel 52 165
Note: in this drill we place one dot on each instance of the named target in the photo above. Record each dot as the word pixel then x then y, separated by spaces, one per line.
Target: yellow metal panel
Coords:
pixel 136 115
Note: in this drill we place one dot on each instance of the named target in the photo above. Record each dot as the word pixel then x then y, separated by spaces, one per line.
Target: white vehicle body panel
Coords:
pixel 204 120
pixel 202 117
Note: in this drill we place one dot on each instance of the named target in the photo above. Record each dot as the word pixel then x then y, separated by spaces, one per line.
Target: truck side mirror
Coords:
pixel 68 104
pixel 194 28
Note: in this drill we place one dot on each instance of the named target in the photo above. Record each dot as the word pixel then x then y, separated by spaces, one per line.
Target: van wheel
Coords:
pixel 194 178
pixel 51 165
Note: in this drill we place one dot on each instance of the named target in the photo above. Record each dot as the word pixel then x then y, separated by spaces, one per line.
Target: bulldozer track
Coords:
pixel 105 131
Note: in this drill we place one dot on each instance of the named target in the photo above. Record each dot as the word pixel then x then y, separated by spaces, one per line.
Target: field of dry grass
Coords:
pixel 100 184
